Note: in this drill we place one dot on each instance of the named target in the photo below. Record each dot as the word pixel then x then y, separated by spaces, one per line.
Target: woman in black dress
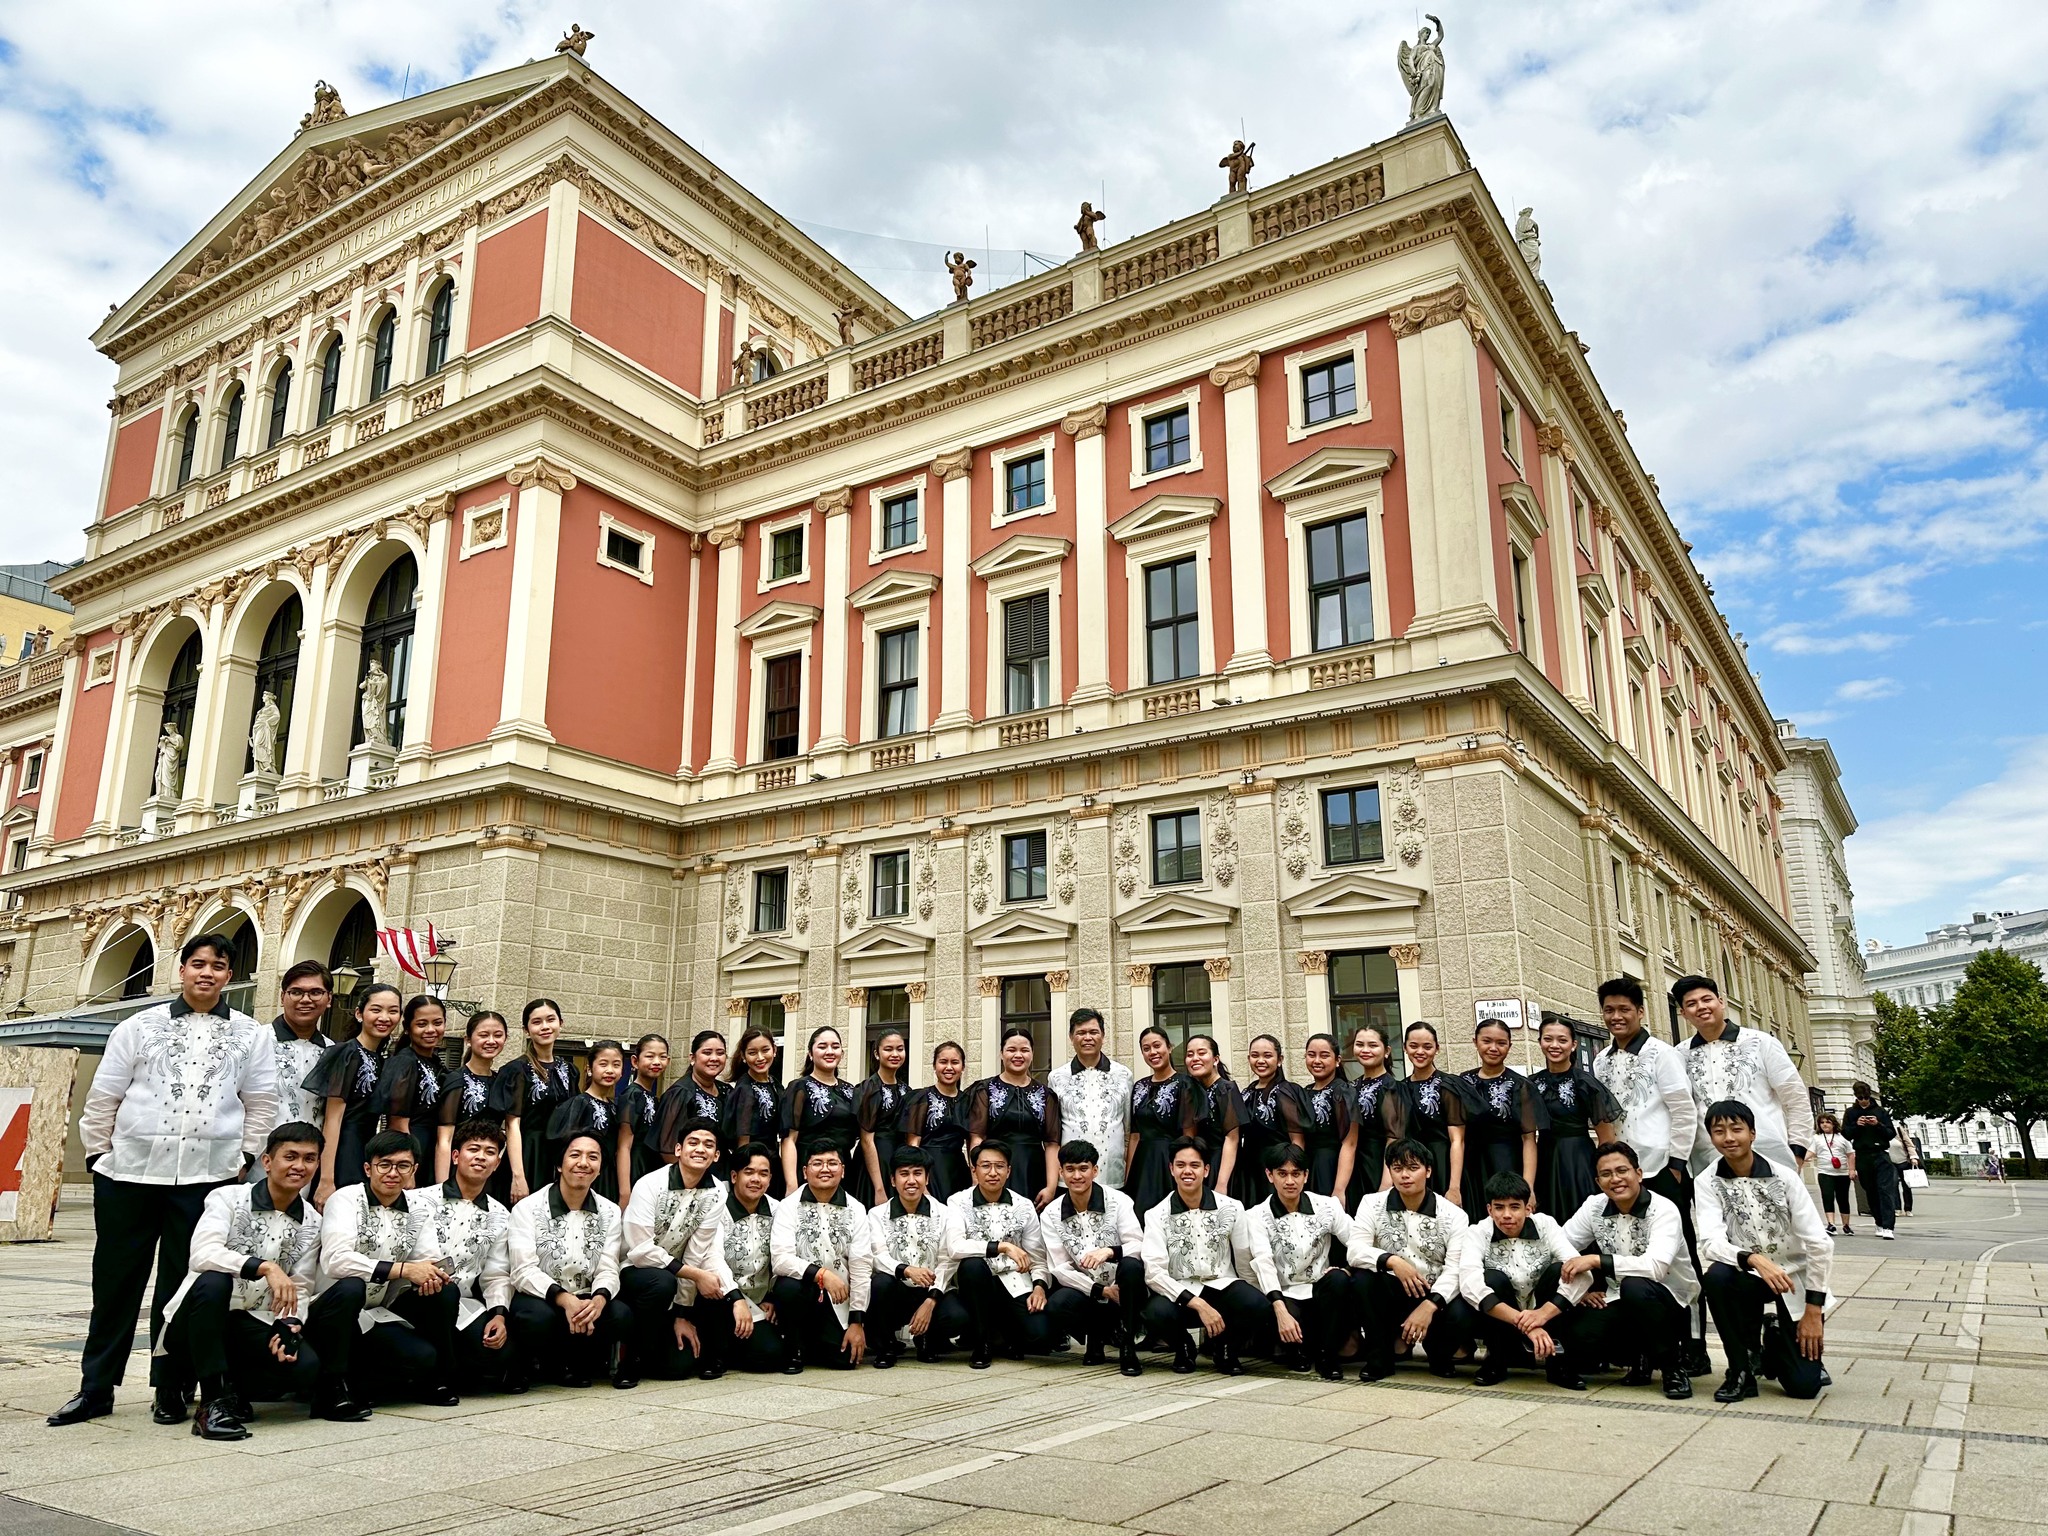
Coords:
pixel 1369 1048
pixel 818 1107
pixel 700 1094
pixel 1502 1116
pixel 878 1104
pixel 936 1119
pixel 595 1112
pixel 1163 1109
pixel 640 1103
pixel 526 1092
pixel 1219 1118
pixel 1024 1116
pixel 467 1096
pixel 753 1104
pixel 1329 1126
pixel 1425 1107
pixel 413 1080
pixel 345 1078
pixel 1272 1117
pixel 1582 1115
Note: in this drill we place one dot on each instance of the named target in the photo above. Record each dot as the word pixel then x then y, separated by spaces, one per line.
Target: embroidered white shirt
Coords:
pixel 238 1230
pixel 975 1226
pixel 669 1227
pixel 1658 1116
pixel 554 1248
pixel 1069 1234
pixel 474 1239
pixel 180 1097
pixel 1647 1243
pixel 1427 1237
pixel 1305 1241
pixel 1095 1106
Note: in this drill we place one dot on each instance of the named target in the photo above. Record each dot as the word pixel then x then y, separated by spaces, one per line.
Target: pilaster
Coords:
pixel 521 734
pixel 1251 651
pixel 725 664
pixel 955 592
pixel 418 750
pixel 1091 565
pixel 833 508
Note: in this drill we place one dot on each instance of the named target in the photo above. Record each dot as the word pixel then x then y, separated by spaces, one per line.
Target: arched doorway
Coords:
pixel 277 674
pixel 124 968
pixel 339 929
pixel 387 639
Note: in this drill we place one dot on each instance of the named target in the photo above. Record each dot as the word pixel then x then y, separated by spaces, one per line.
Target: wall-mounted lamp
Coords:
pixel 945 823
pixel 1470 743
pixel 1087 802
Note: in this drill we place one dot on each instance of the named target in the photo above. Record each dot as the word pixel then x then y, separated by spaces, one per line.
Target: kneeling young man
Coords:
pixel 993 1235
pixel 1404 1268
pixel 824 1267
pixel 675 1268
pixel 1095 1251
pixel 1631 1248
pixel 238 1325
pixel 913 1271
pixel 564 1244
pixel 471 1227
pixel 1309 1235
pixel 1765 1248
pixel 742 1332
pixel 1208 1267
pixel 1511 1271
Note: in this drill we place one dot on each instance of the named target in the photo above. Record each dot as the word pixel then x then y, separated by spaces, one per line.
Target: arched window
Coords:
pixel 280 403
pixel 440 326
pixel 766 365
pixel 277 671
pixel 181 698
pixel 330 382
pixel 188 445
pixel 380 355
pixel 387 637
pixel 231 441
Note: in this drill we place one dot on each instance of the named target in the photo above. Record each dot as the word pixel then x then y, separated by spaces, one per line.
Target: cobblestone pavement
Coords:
pixel 1937 1422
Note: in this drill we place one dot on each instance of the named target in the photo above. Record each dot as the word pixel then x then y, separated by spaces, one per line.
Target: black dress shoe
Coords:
pixel 981 1359
pixel 238 1405
pixel 1491 1373
pixel 1096 1354
pixel 85 1405
pixel 1227 1363
pixel 575 1379
pixel 519 1385
pixel 1677 1385
pixel 168 1405
pixel 1330 1370
pixel 340 1408
pixel 1697 1361
pixel 711 1370
pixel 1637 1375
pixel 882 1359
pixel 1184 1358
pixel 1561 1373
pixel 926 1349
pixel 1375 1373
pixel 1444 1368
pixel 625 1381
pixel 1128 1364
pixel 1735 1386
pixel 794 1368
pixel 216 1421
pixel 440 1397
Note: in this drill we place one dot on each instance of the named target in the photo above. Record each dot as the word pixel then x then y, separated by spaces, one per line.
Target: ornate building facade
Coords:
pixel 1260 624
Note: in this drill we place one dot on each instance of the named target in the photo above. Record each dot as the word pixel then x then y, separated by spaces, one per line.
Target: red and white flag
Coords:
pixel 408 948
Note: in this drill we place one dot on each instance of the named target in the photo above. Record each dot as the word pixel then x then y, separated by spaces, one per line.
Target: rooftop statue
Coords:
pixel 575 40
pixel 1085 225
pixel 1239 164
pixel 1422 71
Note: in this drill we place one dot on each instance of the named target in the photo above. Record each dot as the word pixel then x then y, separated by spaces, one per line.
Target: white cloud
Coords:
pixel 1799 640
pixel 1865 690
pixel 1984 849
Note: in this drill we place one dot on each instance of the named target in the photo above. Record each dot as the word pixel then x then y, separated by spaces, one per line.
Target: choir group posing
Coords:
pixel 353 1222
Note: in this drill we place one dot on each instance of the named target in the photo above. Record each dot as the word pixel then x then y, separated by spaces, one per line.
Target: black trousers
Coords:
pixel 762 1350
pixel 135 1226
pixel 1835 1196
pixel 1665 1183
pixel 651 1295
pixel 1383 1306
pixel 810 1327
pixel 998 1319
pixel 1641 1321
pixel 1738 1301
pixel 1510 1346
pixel 478 1367
pixel 892 1304
pixel 1327 1318
pixel 1077 1315
pixel 209 1340
pixel 1247 1316
pixel 541 1330
pixel 1905 1189
pixel 1880 1187
pixel 394 1360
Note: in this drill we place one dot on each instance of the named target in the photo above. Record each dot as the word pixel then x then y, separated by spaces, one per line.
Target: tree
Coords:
pixel 1987 1049
pixel 1900 1043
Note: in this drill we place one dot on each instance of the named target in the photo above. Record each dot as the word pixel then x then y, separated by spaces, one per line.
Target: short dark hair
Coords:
pixel 746 1152
pixel 909 1157
pixel 1506 1186
pixel 1686 985
pixel 388 1144
pixel 219 943
pixel 1181 1144
pixel 304 969
pixel 1079 1152
pixel 697 1123
pixel 1729 1109
pixel 1861 1090
pixel 1616 1149
pixel 991 1145
pixel 1622 986
pixel 303 1131
pixel 1406 1151
pixel 478 1130
pixel 831 1148
pixel 1082 1016
pixel 1285 1154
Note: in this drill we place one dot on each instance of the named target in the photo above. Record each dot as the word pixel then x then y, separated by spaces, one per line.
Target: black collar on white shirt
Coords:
pixel 1095 1200
pixel 1758 1169
pixel 838 1196
pixel 1101 1064
pixel 1180 1204
pixel 286 1034
pixel 1728 1034
pixel 452 1193
pixel 259 1200
pixel 220 1009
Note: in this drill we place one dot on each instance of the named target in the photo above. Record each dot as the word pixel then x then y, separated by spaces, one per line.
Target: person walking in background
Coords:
pixel 1835 1156
pixel 1905 1159
pixel 1871 1131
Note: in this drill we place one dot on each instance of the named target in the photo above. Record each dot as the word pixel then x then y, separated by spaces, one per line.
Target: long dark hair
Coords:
pixel 736 1068
pixel 1279 1054
pixel 1215 1050
pixel 823 1029
pixel 526 1017
pixel 413 1005
pixel 590 1077
pixel 1154 1029
pixel 474 1020
pixel 363 1003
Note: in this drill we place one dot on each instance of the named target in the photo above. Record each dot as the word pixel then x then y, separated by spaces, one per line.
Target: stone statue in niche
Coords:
pixel 962 273
pixel 1085 225
pixel 263 735
pixel 376 691
pixel 170 752
pixel 1239 164
pixel 1529 239
pixel 1422 71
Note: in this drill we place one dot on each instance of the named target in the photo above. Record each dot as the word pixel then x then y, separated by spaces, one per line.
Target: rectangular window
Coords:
pixel 1027 653
pixel 1593 668
pixel 1167 440
pixel 1364 989
pixel 1180 1004
pixel 1510 430
pixel 1176 848
pixel 1339 583
pixel 1328 390
pixel 1623 914
pixel 896 683
pixel 888 1008
pixel 623 549
pixel 1580 523
pixel 1024 484
pixel 892 884
pixel 1351 825
pixel 1639 717
pixel 765 1013
pixel 899 521
pixel 1172 627
pixel 17 855
pixel 1520 582
pixel 1024 867
pixel 786 554
pixel 771 900
pixel 32 772
pixel 1026 1005
pixel 783 696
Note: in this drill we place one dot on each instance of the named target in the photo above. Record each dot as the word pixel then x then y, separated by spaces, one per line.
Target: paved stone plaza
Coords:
pixel 1938 1414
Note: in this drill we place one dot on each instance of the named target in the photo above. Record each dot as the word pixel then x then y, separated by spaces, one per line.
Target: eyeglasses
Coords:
pixel 307 994
pixel 394 1165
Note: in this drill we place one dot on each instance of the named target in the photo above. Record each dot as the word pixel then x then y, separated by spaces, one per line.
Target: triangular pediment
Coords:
pixel 1164 514
pixel 778 616
pixel 1017 928
pixel 1021 552
pixel 893 587
pixel 758 955
pixel 1331 469
pixel 886 942
pixel 1173 912
pixel 1525 514
pixel 1343 895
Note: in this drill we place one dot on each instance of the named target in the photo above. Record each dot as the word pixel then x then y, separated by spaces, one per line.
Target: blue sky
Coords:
pixel 1803 238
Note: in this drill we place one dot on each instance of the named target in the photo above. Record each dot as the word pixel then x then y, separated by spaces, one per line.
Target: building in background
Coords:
pixel 1261 624
pixel 34 623
pixel 1817 822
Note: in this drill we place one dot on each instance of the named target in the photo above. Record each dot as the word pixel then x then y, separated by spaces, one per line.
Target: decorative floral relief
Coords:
pixel 849 895
pixel 800 900
pixel 924 880
pixel 981 870
pixel 1223 838
pixel 1127 858
pixel 1066 864
pixel 1294 829
pixel 735 903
